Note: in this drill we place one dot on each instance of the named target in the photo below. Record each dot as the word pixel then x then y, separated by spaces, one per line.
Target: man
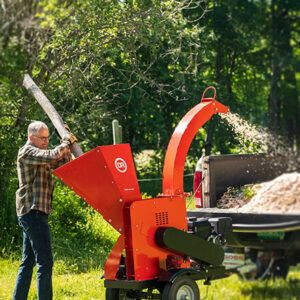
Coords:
pixel 33 205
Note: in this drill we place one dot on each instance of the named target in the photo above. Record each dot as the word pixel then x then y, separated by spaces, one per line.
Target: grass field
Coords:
pixel 82 241
pixel 68 284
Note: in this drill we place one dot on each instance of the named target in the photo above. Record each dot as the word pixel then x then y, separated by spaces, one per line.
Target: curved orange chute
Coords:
pixel 180 142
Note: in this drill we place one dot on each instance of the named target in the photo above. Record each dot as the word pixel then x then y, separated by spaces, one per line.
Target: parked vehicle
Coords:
pixel 261 245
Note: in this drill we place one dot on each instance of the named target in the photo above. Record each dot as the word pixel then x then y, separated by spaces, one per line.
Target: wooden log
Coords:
pixel 49 109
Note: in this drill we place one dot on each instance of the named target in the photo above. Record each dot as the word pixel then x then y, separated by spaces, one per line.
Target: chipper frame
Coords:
pixel 154 233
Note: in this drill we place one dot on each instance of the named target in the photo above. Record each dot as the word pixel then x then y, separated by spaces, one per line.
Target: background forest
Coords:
pixel 144 63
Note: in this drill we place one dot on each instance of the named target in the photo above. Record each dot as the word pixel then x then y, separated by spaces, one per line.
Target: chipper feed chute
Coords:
pixel 105 178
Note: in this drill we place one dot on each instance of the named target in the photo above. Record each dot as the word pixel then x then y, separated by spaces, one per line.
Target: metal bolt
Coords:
pixel 120 229
pixel 109 220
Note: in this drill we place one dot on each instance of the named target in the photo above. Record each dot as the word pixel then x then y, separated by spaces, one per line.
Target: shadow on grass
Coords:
pixel 289 289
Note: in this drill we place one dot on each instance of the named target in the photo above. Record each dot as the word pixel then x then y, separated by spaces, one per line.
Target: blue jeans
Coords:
pixel 36 251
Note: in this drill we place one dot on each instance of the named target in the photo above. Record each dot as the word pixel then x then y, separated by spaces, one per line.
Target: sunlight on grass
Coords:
pixel 67 286
pixel 79 286
pixel 236 289
pixel 89 285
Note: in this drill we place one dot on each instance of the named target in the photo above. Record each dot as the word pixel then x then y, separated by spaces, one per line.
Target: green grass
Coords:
pixel 82 241
pixel 234 288
pixel 66 286
pixel 89 285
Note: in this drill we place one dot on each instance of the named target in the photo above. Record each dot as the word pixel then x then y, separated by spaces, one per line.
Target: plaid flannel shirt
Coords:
pixel 35 181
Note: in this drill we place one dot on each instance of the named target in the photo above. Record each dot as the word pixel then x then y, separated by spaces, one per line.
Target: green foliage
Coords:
pixel 82 239
pixel 145 63
pixel 10 237
pixel 248 193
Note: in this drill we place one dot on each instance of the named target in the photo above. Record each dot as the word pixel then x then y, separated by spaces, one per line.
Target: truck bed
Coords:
pixel 251 222
pixel 254 230
pixel 223 171
pixel 257 231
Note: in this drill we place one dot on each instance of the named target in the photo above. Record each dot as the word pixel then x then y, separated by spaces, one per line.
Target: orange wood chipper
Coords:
pixel 159 253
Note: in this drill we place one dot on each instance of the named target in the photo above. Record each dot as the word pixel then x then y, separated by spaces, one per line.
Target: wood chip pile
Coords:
pixel 281 194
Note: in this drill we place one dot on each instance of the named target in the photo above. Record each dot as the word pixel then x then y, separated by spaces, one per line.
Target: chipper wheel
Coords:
pixel 182 288
pixel 116 294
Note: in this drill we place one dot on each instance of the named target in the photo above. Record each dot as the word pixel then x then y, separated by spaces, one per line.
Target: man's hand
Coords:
pixel 64 150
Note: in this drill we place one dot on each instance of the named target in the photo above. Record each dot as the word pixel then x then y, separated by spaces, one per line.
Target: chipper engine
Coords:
pixel 159 253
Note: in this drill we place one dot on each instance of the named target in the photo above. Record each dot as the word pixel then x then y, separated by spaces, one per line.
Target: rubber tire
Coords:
pixel 171 290
pixel 280 269
pixel 112 294
pixel 116 294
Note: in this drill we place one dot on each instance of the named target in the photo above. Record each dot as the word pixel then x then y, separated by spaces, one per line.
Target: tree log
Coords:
pixel 50 111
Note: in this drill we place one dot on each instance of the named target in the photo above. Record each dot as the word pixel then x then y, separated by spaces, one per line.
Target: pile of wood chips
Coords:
pixel 234 197
pixel 281 194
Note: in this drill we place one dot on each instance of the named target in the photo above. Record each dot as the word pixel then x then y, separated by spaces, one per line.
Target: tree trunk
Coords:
pixel 274 101
pixel 289 87
pixel 283 99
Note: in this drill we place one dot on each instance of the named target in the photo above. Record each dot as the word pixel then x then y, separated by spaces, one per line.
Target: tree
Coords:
pixel 283 99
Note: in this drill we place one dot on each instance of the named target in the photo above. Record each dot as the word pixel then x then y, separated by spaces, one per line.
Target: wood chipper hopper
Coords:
pixel 163 252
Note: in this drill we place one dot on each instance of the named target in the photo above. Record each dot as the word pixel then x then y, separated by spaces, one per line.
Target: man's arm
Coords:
pixel 32 155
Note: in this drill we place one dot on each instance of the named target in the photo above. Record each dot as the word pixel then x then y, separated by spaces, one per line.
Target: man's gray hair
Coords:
pixel 35 126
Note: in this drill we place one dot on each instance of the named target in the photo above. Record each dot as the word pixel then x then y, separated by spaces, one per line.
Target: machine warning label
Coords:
pixel 233 259
pixel 121 165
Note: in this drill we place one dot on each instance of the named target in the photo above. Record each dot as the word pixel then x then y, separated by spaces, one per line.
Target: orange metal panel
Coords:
pixel 180 142
pixel 146 217
pixel 105 178
pixel 112 264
